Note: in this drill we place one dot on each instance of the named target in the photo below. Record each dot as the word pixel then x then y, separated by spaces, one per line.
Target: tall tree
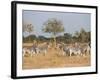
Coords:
pixel 77 36
pixel 54 27
pixel 83 35
pixel 28 28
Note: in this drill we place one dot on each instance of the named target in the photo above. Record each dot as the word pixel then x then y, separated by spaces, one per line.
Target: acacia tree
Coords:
pixel 28 28
pixel 53 26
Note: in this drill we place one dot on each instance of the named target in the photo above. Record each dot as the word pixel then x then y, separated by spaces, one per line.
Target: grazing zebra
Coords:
pixel 87 50
pixel 29 50
pixel 42 49
pixel 76 51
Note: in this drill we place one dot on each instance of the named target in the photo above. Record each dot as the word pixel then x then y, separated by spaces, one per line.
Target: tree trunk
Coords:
pixel 54 38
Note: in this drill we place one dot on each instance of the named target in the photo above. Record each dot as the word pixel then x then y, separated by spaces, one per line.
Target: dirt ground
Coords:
pixel 54 59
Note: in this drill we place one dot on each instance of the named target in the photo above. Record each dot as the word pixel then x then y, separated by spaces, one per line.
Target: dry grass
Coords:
pixel 54 60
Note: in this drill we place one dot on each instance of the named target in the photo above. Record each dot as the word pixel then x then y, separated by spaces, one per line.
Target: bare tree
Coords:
pixel 28 28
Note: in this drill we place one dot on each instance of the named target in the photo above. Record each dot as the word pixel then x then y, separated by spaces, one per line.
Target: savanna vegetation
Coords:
pixel 55 27
pixel 52 59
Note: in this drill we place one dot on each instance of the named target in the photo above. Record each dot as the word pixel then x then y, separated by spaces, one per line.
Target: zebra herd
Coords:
pixel 67 49
pixel 35 49
pixel 75 50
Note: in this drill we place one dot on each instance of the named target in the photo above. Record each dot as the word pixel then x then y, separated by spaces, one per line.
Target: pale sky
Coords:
pixel 72 22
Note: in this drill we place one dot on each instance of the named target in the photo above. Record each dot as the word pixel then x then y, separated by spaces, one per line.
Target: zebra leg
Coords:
pixel 37 51
pixel 70 53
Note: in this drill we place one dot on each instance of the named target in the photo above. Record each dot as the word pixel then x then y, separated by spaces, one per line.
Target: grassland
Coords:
pixel 54 59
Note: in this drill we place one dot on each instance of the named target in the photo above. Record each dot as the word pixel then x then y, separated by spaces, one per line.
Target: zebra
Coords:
pixel 42 49
pixel 38 49
pixel 87 49
pixel 76 51
pixel 29 50
pixel 65 50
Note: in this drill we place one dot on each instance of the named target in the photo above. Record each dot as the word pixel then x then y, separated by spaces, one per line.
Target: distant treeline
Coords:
pixel 81 36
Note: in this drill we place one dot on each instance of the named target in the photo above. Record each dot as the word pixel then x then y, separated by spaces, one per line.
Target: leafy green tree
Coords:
pixel 53 26
pixel 82 36
pixel 67 37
